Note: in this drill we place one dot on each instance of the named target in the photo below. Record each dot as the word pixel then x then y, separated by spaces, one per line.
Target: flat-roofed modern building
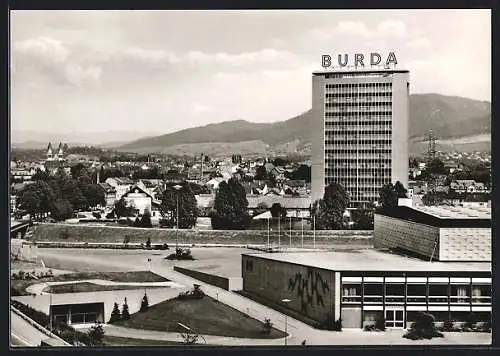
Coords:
pixel 359 286
pixel 444 233
pixel 359 131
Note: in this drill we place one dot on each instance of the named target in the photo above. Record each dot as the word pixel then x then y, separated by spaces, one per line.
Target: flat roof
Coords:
pixel 370 260
pixel 457 212
pixel 361 71
pixel 443 216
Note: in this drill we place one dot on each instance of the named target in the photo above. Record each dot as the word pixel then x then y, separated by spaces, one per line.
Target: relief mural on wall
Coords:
pixel 310 288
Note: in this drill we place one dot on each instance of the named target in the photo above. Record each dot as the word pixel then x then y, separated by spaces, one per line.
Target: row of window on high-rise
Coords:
pixel 357 95
pixel 358 75
pixel 359 85
pixel 356 113
pixel 356 104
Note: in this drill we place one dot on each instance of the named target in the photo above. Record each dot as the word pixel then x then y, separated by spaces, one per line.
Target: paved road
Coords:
pixel 23 333
pixel 297 330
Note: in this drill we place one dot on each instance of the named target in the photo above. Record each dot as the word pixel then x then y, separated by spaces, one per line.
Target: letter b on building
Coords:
pixel 326 61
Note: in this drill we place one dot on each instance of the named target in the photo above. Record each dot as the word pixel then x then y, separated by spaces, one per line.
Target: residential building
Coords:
pixel 142 199
pixel 109 194
pixel 359 131
pixel 298 207
pixel 121 185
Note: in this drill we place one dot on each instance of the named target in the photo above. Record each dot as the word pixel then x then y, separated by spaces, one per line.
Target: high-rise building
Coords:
pixel 360 131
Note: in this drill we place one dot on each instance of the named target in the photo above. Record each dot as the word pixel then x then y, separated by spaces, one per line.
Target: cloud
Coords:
pixel 384 29
pixel 50 58
pixel 391 29
pixel 420 42
pixel 48 50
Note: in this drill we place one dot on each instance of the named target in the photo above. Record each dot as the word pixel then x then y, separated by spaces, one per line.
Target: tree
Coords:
pixel 230 207
pixel 363 219
pixel 303 172
pixel 122 209
pixel 434 198
pixel 400 190
pixel 388 198
pixel 329 211
pixel 125 312
pixel 96 334
pixel 61 209
pixel 435 166
pixel 115 314
pixel 278 211
pixel 188 207
pixel 146 219
pixel 144 303
pixel 77 169
pixel 260 173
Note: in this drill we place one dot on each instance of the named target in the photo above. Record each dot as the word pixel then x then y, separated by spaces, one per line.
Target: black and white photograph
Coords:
pixel 271 178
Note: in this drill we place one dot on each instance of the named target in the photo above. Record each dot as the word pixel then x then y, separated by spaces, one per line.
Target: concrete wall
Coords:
pixel 465 244
pixel 400 118
pixel 318 138
pixel 419 238
pixel 311 290
pixel 453 244
pixel 86 233
pixel 221 282
pixel 134 298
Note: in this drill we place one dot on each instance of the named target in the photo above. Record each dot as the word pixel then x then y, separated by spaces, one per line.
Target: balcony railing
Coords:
pixel 454 299
pixel 437 299
pixel 481 300
pixel 351 299
pixel 373 299
pixel 416 299
pixel 394 299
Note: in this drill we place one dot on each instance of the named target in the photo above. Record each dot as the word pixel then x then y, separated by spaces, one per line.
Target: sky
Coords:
pixel 163 71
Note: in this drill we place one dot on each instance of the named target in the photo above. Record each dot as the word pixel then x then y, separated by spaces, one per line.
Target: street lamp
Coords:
pixel 177 187
pixel 286 301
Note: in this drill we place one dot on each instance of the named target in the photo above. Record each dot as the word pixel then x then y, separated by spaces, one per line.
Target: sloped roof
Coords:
pixel 285 201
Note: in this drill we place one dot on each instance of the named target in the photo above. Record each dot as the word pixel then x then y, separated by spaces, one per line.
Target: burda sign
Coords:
pixel 358 60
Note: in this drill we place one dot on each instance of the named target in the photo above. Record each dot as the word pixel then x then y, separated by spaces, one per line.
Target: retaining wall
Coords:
pixel 108 234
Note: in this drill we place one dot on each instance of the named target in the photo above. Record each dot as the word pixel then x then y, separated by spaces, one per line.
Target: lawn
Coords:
pixel 124 341
pixel 20 285
pixel 204 316
pixel 80 287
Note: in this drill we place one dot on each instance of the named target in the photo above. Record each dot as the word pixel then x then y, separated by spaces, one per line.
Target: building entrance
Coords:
pixel 394 318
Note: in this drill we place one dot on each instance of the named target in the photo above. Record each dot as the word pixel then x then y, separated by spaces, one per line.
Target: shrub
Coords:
pixel 423 328
pixel 96 334
pixel 268 325
pixel 180 254
pixel 330 323
pixel 380 323
pixel 195 293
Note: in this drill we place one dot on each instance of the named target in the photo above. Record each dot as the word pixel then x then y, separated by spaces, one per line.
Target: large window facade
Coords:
pixel 394 297
pixel 358 130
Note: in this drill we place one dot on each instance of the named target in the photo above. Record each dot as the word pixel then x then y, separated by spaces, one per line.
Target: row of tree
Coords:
pixel 59 195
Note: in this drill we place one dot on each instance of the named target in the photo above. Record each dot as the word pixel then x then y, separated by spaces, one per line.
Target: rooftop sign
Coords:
pixel 358 60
